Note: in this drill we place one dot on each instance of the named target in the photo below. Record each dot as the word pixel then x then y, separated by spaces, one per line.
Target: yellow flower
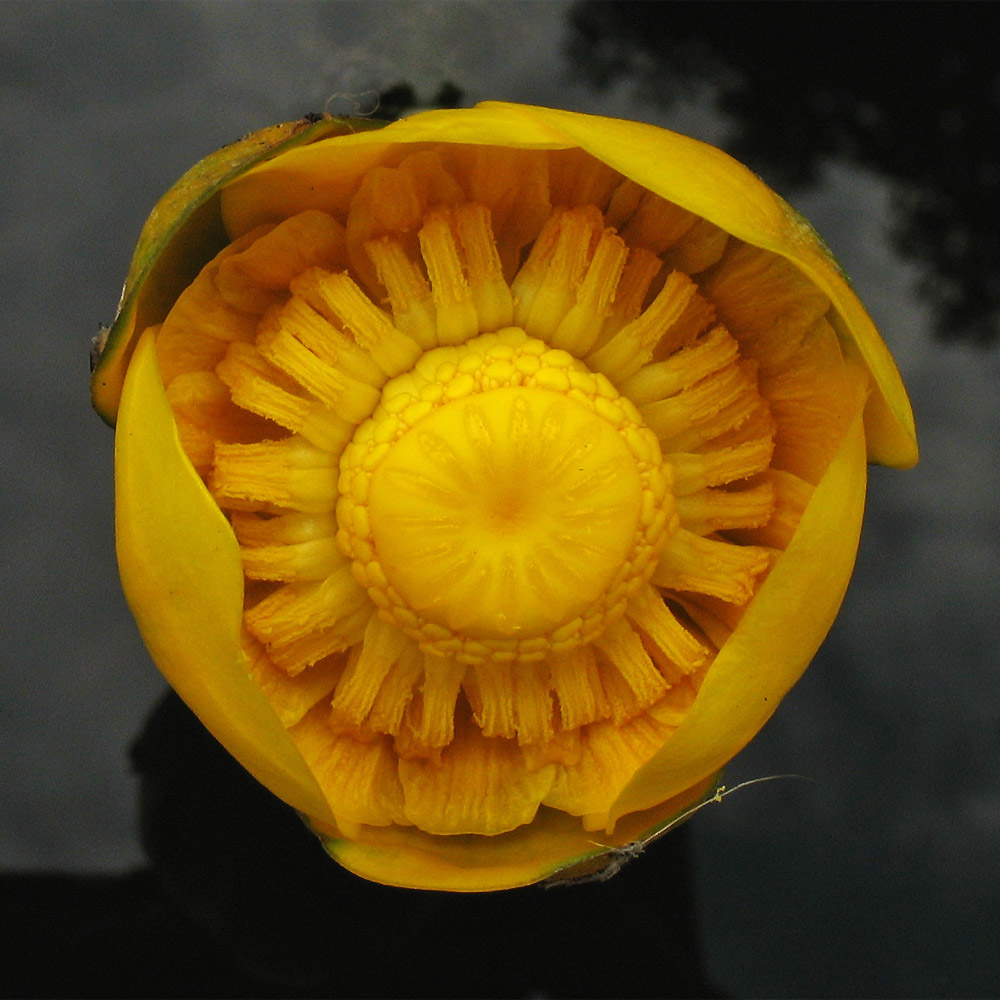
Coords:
pixel 485 480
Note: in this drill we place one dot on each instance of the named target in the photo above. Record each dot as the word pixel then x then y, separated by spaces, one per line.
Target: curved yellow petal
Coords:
pixel 690 173
pixel 776 638
pixel 182 576
pixel 554 846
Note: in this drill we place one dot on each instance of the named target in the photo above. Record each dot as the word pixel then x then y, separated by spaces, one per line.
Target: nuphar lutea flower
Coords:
pixel 485 480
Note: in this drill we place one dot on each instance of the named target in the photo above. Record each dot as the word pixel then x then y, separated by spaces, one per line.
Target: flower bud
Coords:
pixel 485 480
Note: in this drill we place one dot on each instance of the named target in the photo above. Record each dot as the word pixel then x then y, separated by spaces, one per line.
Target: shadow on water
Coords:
pixel 239 900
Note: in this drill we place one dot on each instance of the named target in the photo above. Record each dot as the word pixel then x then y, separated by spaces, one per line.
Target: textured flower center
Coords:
pixel 502 502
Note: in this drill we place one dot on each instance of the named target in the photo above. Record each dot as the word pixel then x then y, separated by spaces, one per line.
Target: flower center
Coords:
pixel 469 496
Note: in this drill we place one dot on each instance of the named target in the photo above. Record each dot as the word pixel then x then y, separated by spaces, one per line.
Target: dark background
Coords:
pixel 876 877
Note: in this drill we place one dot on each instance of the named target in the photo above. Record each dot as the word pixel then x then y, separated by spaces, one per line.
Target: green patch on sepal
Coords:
pixel 183 232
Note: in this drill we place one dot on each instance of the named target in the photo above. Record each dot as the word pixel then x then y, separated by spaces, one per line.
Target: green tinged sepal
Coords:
pixel 183 232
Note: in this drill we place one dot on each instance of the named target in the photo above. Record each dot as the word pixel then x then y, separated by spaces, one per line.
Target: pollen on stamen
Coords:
pixel 576 683
pixel 259 388
pixel 410 299
pixel 722 464
pixel 660 379
pixel 529 277
pixel 632 346
pixel 349 399
pixel 327 341
pixel 649 613
pixel 710 566
pixel 713 510
pixel 290 474
pixel 339 299
pixel 287 547
pixel 490 292
pixel 701 412
pixel 624 700
pixel 534 706
pixel 641 268
pixel 430 716
pixel 457 319
pixel 490 690
pixel 388 712
pixel 301 623
pixel 623 648
pixel 366 672
pixel 512 701
pixel 556 272
pixel 297 561
pixel 751 421
pixel 580 328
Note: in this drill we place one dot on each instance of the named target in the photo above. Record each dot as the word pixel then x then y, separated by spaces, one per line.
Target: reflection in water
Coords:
pixel 402 98
pixel 237 863
pixel 912 94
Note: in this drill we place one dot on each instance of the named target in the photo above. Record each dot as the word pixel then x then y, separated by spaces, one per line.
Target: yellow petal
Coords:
pixel 554 845
pixel 776 638
pixel 480 783
pixel 359 777
pixel 290 697
pixel 611 755
pixel 182 576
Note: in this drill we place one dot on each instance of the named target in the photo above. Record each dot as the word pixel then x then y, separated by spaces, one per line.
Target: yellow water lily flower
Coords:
pixel 484 480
